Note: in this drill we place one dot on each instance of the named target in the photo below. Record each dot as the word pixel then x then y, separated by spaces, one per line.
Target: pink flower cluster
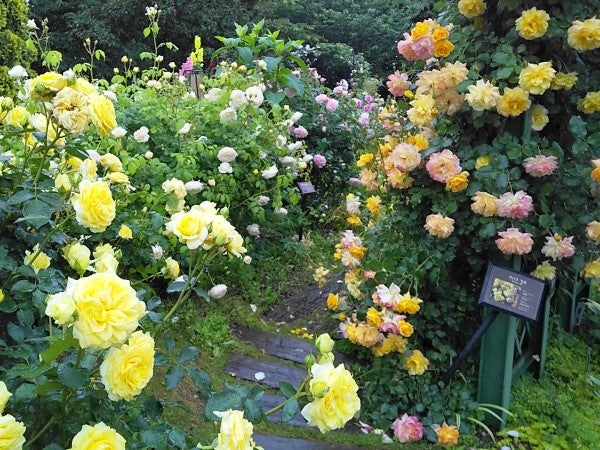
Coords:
pixel 422 48
pixel 407 428
pixel 443 165
pixel 513 242
pixel 299 132
pixel 187 66
pixel 514 206
pixel 331 104
pixel 540 165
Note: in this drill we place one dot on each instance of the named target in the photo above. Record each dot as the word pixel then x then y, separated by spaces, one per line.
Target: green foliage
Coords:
pixel 212 332
pixel 13 42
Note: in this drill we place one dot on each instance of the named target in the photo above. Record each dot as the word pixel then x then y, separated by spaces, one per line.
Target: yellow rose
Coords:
pixel 117 178
pixel 482 95
pixel 191 227
pixel 458 182
pixel 125 232
pixel 78 256
pixel 70 110
pixel 235 431
pixel 564 81
pixel 364 159
pixel 84 86
pixel 482 161
pixel 447 435
pixel 471 8
pixel 365 335
pixel 127 370
pixel 536 78
pixel 374 204
pixel 172 267
pixel 422 111
pixel 405 328
pixel 440 34
pixel 46 85
pixel 439 226
pixel 108 310
pixel 408 304
pixel 590 103
pixel 584 35
pixel 533 23
pixel 353 220
pixel 539 117
pixel 544 271
pixel 41 261
pixel 4 396
pixel 17 117
pixel 105 258
pixel 416 363
pixel 441 49
pixel 420 29
pixel 324 343
pixel 100 436
pixel 513 102
pixel 333 301
pixel 62 183
pixel 374 318
pixel 112 162
pixel 11 433
pixel 61 307
pixel 484 204
pixel 592 231
pixel 102 113
pixel 94 206
pixel 1 295
pixel 591 269
pixel 339 404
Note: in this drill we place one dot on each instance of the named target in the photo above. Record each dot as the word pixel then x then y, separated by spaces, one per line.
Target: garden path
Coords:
pixel 283 359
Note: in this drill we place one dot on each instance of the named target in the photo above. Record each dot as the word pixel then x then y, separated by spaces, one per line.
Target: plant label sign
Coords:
pixel 512 292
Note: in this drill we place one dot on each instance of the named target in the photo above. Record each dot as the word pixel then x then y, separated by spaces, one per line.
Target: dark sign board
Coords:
pixel 512 292
pixel 306 187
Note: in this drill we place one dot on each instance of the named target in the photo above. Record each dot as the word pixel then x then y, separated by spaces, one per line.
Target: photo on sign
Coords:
pixel 512 292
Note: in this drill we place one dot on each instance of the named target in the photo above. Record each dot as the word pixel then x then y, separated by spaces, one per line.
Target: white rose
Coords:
pixel 227 115
pixel 142 135
pixel 213 94
pixel 118 132
pixel 262 64
pixel 61 308
pixel 294 146
pixel 253 229
pixel 307 158
pixel 193 187
pixel 148 155
pixel 255 96
pixel 262 155
pixel 270 172
pixel 237 98
pixel 225 167
pixel 185 128
pixel 280 141
pixel 247 259
pixel 110 95
pixel 296 117
pixel 281 212
pixel 93 154
pixel 227 154
pixel 218 291
pixel 263 200
pixel 157 252
pixel 287 161
pixel 18 72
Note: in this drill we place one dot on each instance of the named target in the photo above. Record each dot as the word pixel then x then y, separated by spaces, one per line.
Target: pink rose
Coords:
pixel 439 226
pixel 514 206
pixel 319 161
pixel 557 247
pixel 513 242
pixel 332 104
pixel 405 48
pixel 407 428
pixel 398 83
pixel 443 165
pixel 423 47
pixel 321 99
pixel 540 165
pixel 300 132
pixel 363 120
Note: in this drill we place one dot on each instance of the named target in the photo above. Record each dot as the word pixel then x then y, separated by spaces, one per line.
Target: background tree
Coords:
pixel 13 37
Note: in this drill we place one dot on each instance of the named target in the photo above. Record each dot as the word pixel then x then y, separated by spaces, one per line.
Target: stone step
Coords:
pixel 245 368
pixel 279 443
pixel 282 347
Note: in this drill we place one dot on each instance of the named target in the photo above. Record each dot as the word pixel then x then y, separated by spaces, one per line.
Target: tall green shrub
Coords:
pixel 13 38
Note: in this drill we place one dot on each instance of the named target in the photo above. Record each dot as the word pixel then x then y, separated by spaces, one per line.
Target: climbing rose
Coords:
pixel 484 204
pixel 540 165
pixel 584 35
pixel 397 83
pixel 536 78
pixel 513 102
pixel 592 231
pixel 514 206
pixel 416 363
pixel 482 95
pixel 471 8
pixel 533 23
pixel 439 226
pixel 443 165
pixel 94 206
pixel 513 242
pixel 557 247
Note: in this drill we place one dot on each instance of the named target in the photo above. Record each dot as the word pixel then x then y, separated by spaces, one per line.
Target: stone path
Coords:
pixel 283 362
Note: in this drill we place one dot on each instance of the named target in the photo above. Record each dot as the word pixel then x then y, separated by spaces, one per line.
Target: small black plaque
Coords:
pixel 512 292
pixel 306 187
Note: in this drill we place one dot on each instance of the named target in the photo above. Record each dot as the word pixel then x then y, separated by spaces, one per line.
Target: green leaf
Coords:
pixel 188 354
pixel 200 378
pixel 20 197
pixel 146 55
pixel 52 59
pixel 221 401
pixel 59 346
pixel 252 410
pixel 502 181
pixel 274 98
pixel 245 55
pixel 26 391
pixel 271 63
pixel 173 377
pixel 175 286
pixel 16 332
pixel 287 389
pixel 22 286
pixel 289 410
pixel 36 212
pixel 177 438
pixel 577 127
pixel 504 73
pixel 49 386
pixel 154 439
pixel 146 34
pixel 580 148
pixel 292 81
pixel 72 377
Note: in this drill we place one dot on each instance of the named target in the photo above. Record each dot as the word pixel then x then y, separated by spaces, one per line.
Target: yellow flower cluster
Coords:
pixel 441 84
pixel 434 32
pixel 422 111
